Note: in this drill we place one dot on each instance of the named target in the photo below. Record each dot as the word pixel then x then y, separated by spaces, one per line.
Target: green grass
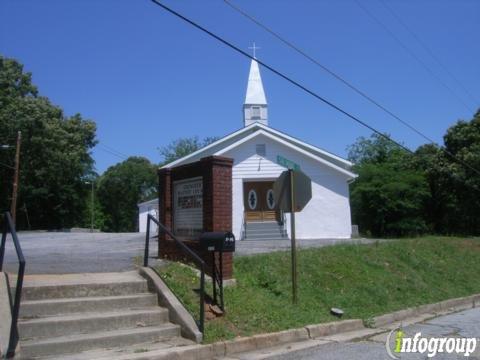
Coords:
pixel 363 280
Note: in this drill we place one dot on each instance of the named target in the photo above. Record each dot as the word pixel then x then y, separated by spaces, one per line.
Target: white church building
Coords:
pixel 260 154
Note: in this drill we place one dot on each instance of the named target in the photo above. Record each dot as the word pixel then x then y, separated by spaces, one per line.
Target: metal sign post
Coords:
pixel 292 191
pixel 292 231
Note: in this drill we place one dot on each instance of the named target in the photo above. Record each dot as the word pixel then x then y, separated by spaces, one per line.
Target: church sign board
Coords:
pixel 188 207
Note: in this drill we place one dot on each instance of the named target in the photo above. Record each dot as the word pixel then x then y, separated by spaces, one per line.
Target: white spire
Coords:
pixel 255 94
pixel 255 106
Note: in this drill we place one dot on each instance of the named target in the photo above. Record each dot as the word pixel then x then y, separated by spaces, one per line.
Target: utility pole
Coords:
pixel 13 209
pixel 93 204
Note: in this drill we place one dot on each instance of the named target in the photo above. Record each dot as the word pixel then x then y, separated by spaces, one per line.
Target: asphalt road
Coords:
pixel 461 324
pixel 248 247
pixel 63 252
pixel 52 252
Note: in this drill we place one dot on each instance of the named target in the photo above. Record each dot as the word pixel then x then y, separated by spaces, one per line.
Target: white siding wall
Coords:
pixel 143 211
pixel 327 215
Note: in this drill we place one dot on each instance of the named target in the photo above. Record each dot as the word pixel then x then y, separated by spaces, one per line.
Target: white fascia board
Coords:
pixel 209 146
pixel 291 138
pixel 148 202
pixel 289 145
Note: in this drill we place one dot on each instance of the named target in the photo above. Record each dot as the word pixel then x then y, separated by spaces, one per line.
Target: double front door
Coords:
pixel 258 200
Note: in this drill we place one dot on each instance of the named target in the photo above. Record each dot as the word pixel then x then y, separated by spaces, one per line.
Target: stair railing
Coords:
pixel 284 224
pixel 186 250
pixel 243 234
pixel 9 227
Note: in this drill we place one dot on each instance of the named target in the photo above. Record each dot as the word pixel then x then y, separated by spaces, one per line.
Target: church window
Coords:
pixel 252 199
pixel 270 199
pixel 256 112
pixel 261 149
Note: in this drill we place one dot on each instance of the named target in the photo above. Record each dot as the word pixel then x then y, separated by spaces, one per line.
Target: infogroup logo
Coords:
pixel 431 346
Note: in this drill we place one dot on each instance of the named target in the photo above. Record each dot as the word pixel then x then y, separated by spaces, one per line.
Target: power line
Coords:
pixel 412 54
pixel 114 150
pixel 428 50
pixel 328 70
pixel 293 82
pixel 114 153
pixel 341 79
pixel 278 73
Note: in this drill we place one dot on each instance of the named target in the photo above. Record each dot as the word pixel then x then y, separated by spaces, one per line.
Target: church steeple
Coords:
pixel 255 106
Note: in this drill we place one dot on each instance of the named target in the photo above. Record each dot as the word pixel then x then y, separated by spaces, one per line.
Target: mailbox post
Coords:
pixel 218 243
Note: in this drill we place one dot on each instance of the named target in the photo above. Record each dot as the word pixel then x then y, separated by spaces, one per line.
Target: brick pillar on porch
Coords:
pixel 164 206
pixel 216 173
pixel 217 197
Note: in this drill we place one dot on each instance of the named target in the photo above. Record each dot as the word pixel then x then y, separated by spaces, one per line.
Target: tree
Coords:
pixel 55 152
pixel 463 141
pixel 388 196
pixel 121 188
pixel 182 147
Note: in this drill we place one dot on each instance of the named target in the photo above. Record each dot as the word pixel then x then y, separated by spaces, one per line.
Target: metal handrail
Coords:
pixel 284 224
pixel 243 235
pixel 196 259
pixel 9 227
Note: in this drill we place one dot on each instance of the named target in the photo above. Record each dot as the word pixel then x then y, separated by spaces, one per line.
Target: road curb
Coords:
pixel 450 305
pixel 262 341
pixel 311 332
pixel 332 328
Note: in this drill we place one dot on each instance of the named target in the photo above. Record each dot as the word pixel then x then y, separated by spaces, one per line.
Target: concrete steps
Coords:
pixel 40 287
pixel 69 314
pixel 267 230
pixel 84 323
pixel 64 345
pixel 49 307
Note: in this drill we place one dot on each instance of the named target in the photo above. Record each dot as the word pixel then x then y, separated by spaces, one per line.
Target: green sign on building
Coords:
pixel 289 164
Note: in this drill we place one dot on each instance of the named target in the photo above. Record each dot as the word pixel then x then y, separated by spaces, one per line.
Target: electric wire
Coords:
pixel 293 82
pixel 328 70
pixel 101 147
pixel 280 74
pixel 411 53
pixel 343 80
pixel 428 50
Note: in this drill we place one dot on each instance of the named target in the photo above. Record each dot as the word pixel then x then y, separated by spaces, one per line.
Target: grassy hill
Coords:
pixel 363 280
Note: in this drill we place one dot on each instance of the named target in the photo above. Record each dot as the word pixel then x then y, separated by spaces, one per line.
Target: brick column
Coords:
pixel 164 206
pixel 216 173
pixel 217 202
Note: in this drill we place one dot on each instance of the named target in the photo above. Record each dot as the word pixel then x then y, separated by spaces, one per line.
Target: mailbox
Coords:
pixel 218 241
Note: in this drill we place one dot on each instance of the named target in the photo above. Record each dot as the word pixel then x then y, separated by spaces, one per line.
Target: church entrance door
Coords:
pixel 258 200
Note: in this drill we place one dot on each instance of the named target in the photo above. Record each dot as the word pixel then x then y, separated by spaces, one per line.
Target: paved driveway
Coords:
pixel 51 252
pixel 56 252
pixel 249 247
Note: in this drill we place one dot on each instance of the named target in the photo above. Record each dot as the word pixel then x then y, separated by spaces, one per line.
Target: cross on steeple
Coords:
pixel 254 48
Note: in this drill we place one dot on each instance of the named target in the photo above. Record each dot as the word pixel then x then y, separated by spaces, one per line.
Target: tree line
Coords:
pixel 435 189
pixel 396 194
pixel 57 169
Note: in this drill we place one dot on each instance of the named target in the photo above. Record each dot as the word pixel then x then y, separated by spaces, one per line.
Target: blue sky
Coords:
pixel 147 78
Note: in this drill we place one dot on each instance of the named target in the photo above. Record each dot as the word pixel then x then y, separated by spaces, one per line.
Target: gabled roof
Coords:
pixel 289 145
pixel 255 93
pixel 240 136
